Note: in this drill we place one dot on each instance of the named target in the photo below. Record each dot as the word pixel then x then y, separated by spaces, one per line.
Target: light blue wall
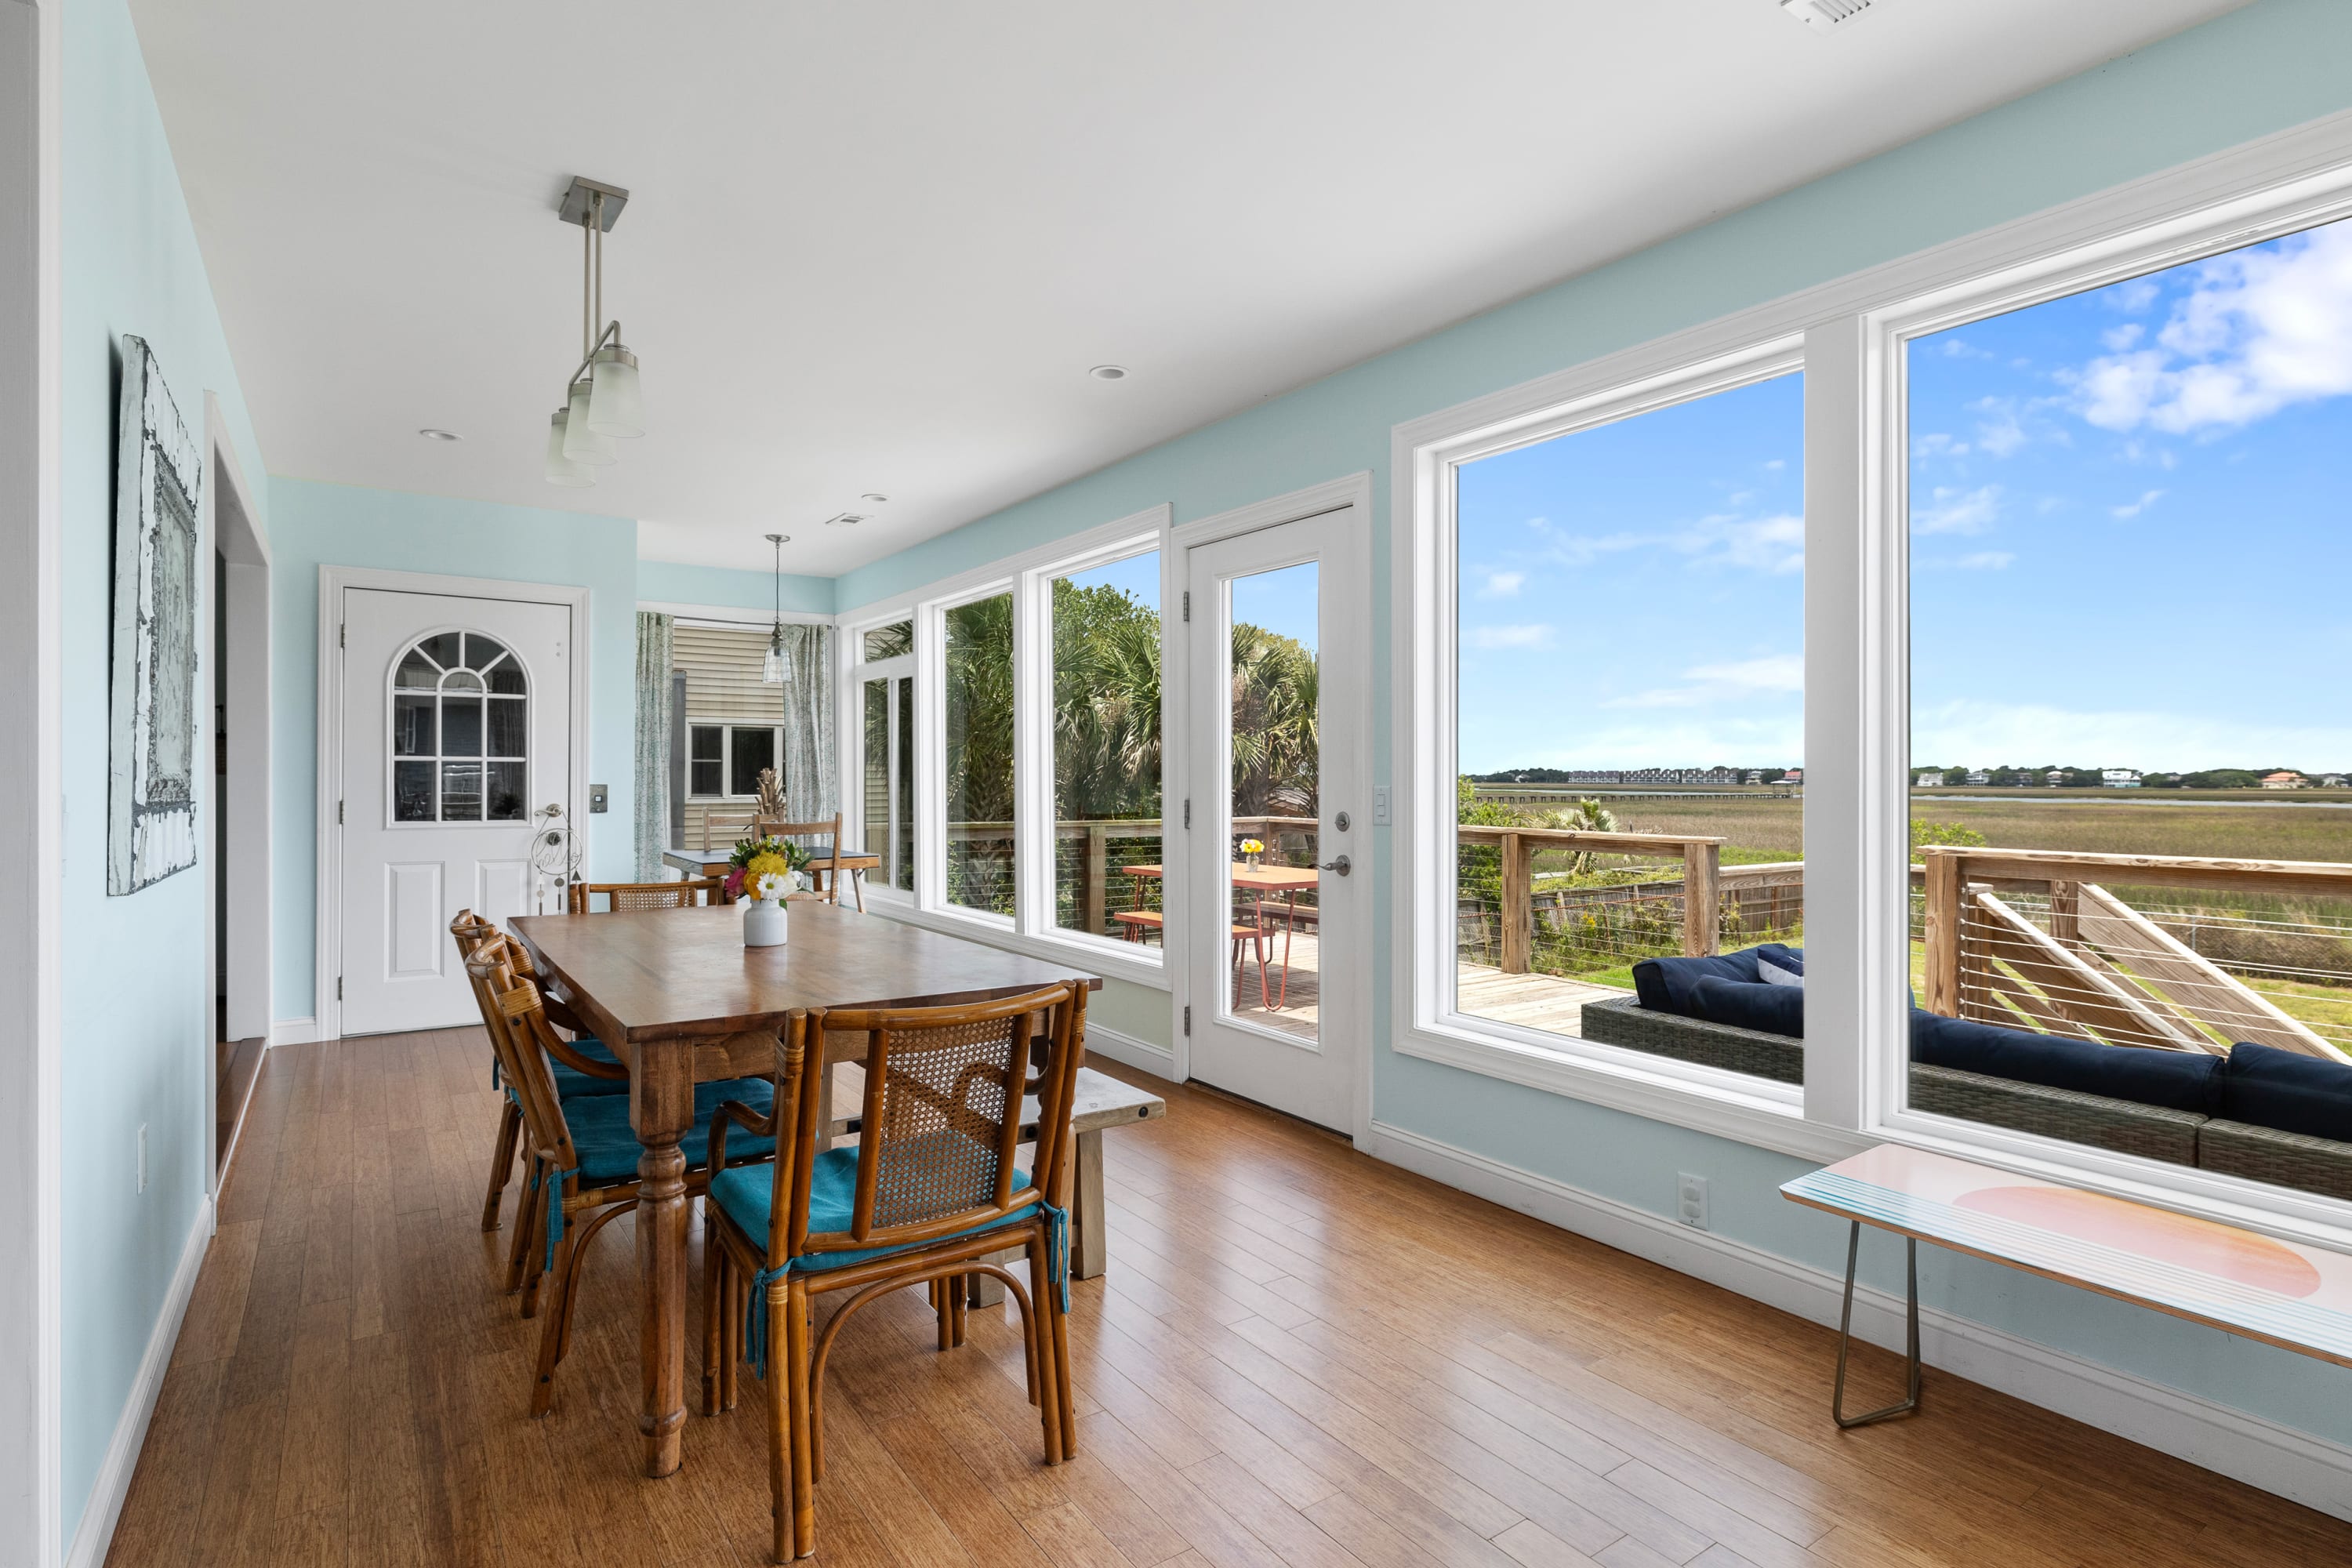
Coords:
pixel 2271 67
pixel 313 525
pixel 669 583
pixel 137 1002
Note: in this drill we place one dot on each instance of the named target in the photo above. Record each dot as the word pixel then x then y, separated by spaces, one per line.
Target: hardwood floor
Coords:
pixel 1298 1357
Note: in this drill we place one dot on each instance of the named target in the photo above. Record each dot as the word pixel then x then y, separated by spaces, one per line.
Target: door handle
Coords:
pixel 1342 865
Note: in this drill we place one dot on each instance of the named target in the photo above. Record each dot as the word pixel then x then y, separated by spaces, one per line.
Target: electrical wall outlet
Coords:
pixel 1690 1200
pixel 142 1156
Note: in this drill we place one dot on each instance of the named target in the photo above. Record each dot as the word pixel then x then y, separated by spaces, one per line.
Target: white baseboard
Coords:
pixel 104 1507
pixel 293 1031
pixel 1128 1051
pixel 2311 1470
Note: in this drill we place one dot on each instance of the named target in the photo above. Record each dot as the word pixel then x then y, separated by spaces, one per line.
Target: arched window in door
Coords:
pixel 460 731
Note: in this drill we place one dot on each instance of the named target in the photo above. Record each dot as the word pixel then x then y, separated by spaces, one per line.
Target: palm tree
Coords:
pixel 1588 817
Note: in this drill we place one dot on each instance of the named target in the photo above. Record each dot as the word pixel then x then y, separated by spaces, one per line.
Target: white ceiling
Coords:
pixel 875 245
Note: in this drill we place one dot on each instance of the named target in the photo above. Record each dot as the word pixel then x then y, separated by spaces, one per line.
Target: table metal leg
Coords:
pixel 1845 1323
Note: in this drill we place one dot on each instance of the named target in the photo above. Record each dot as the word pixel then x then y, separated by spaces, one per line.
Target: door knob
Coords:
pixel 1341 865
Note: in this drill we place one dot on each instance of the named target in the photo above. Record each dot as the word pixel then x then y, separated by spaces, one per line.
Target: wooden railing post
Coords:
pixel 1702 885
pixel 1518 914
pixel 1943 933
pixel 1098 875
pixel 2066 913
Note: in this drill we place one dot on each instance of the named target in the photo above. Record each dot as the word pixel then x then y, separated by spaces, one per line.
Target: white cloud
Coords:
pixel 2132 296
pixel 1987 733
pixel 1767 739
pixel 1742 679
pixel 1517 636
pixel 2260 330
pixel 1775 465
pixel 2115 340
pixel 1504 584
pixel 1999 433
pixel 1773 544
pixel 1951 510
pixel 2133 508
pixel 1938 444
pixel 1986 561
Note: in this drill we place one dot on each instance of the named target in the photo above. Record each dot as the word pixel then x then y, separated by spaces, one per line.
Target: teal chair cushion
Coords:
pixel 832 1192
pixel 571 1083
pixel 609 1150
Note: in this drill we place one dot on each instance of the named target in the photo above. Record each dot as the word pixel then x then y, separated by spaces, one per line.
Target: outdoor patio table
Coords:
pixel 1289 882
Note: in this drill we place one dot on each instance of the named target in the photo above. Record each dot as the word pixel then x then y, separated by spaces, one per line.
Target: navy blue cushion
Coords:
pixel 609 1150
pixel 1774 1009
pixel 1664 984
pixel 2292 1094
pixel 571 1083
pixel 2181 1080
pixel 744 1192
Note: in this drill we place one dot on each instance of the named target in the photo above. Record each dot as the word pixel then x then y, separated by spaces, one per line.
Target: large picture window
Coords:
pixel 2128 547
pixel 883 681
pixel 976 762
pixel 1628 675
pixel 1106 746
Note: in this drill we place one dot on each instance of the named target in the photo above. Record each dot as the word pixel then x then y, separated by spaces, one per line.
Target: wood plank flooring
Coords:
pixel 1299 1357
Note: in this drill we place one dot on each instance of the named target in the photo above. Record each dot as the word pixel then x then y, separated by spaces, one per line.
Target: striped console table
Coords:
pixel 2283 1293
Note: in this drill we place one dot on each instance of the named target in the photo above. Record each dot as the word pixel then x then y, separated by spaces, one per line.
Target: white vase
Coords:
pixel 764 923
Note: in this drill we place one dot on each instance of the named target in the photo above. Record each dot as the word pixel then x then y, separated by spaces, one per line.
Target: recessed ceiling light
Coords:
pixel 430 433
pixel 845 520
pixel 1108 373
pixel 873 498
pixel 1825 14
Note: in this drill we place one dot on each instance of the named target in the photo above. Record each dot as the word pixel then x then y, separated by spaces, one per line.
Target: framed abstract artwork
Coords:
pixel 152 757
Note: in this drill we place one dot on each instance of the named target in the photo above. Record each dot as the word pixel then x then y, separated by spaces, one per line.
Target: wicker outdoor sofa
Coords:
pixel 2127 1126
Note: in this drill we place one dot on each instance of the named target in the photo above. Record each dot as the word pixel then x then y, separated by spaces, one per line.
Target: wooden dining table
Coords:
pixel 681 1000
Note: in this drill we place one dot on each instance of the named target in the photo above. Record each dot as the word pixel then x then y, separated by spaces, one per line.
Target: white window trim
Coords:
pixel 849 728
pixel 726 754
pixel 1856 669
pixel 1028 575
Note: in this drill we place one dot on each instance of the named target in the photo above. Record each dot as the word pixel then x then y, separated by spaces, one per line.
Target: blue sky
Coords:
pixel 2131 521
pixel 1633 595
pixel 2131 529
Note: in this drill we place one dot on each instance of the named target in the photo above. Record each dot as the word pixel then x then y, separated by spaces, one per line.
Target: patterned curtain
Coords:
pixel 652 782
pixel 809 787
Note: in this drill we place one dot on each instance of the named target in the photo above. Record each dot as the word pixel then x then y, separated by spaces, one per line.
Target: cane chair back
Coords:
pixel 519 1034
pixel 942 1119
pixel 620 896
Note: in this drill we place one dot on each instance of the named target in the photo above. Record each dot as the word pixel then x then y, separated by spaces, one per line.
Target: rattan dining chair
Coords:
pixel 584 1152
pixel 692 893
pixel 584 1066
pixel 926 1194
pixel 828 830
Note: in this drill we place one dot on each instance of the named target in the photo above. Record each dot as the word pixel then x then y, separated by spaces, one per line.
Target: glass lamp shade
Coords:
pixel 614 406
pixel 777 668
pixel 560 469
pixel 581 444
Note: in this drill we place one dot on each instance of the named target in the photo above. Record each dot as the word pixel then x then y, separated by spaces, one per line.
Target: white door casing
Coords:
pixel 393 873
pixel 1318 1072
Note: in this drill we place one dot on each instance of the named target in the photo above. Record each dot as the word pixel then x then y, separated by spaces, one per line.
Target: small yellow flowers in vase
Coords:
pixel 765 871
pixel 1251 850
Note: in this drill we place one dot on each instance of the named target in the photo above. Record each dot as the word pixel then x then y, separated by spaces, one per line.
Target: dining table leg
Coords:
pixel 661 1109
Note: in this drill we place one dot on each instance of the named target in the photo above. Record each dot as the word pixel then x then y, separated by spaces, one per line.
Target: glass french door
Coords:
pixel 1277 927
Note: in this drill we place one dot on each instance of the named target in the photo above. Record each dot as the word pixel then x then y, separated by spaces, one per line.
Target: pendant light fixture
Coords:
pixel 602 403
pixel 776 669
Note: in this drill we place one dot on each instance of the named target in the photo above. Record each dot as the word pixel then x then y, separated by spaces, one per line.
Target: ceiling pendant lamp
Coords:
pixel 562 470
pixel 602 402
pixel 776 669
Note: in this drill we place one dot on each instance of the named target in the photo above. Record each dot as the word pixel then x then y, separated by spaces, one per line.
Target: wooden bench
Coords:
pixel 1100 1103
pixel 2280 1292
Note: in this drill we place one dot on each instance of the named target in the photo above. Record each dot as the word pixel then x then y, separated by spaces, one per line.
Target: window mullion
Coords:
pixel 1033 754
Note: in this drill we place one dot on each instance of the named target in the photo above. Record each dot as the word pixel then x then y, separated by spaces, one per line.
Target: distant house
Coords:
pixel 2119 778
pixel 2286 778
pixel 1928 780
pixel 2331 781
pixel 1978 776
pixel 1755 776
pixel 2054 777
pixel 1793 777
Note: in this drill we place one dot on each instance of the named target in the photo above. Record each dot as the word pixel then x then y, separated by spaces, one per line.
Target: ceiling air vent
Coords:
pixel 845 519
pixel 1825 14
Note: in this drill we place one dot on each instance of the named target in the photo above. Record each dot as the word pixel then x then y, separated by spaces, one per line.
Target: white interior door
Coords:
pixel 1276 879
pixel 457 728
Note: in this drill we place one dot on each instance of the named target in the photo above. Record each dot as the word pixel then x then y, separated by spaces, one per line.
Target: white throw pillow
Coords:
pixel 1775 976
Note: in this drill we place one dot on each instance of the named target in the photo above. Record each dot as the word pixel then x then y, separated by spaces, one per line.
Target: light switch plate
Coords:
pixel 1380 806
pixel 597 801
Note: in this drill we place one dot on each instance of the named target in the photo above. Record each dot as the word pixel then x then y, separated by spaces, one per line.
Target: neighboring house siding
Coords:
pixel 722 681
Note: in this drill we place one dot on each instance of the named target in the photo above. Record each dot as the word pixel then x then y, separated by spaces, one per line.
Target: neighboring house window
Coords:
pixel 724 760
pixel 460 731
